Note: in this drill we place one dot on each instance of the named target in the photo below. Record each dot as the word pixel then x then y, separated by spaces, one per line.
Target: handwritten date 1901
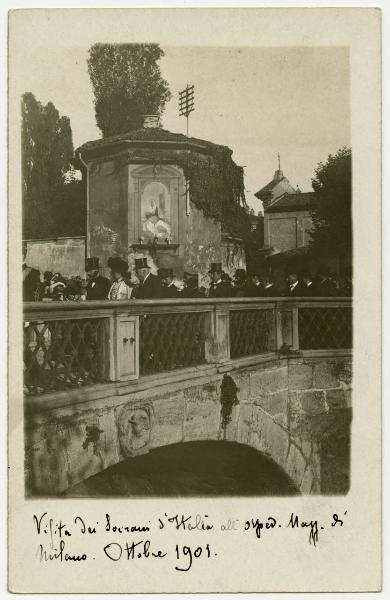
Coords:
pixel 188 554
pixel 185 555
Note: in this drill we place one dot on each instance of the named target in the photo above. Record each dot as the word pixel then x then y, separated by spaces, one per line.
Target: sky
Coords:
pixel 259 101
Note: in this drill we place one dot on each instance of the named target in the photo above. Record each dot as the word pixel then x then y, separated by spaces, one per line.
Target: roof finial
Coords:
pixel 278 161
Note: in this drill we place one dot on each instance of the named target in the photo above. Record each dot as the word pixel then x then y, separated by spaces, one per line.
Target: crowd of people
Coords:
pixel 122 286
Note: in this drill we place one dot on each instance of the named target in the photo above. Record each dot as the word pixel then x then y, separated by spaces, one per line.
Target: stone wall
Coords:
pixel 299 414
pixel 67 445
pixel 201 242
pixel 65 255
pixel 108 212
pixel 287 230
pixel 295 411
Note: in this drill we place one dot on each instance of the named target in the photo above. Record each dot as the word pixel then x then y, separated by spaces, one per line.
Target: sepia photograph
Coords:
pixel 187 271
pixel 194 329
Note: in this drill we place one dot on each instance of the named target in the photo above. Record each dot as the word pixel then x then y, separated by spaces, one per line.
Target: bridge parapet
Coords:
pixel 71 345
pixel 106 381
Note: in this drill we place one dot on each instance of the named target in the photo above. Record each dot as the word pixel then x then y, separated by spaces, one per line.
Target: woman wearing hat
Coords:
pixel 119 290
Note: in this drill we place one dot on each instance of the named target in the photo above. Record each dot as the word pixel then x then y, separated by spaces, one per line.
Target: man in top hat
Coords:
pixel 31 280
pixel 168 288
pixel 149 286
pixel 119 289
pixel 219 288
pixel 191 287
pixel 97 286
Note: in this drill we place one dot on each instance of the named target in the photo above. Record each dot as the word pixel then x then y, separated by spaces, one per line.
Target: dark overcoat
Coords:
pixel 98 288
pixel 148 289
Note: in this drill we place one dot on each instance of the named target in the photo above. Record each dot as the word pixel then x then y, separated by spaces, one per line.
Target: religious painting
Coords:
pixel 156 211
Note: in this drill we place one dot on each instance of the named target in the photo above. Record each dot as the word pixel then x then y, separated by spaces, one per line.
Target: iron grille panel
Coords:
pixel 64 354
pixel 171 341
pixel 251 332
pixel 325 328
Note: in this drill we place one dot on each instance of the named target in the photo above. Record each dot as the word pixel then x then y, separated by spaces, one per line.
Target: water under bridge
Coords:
pixel 128 387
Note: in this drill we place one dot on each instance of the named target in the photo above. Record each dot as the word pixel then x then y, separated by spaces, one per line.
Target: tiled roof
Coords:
pixel 147 134
pixel 269 187
pixel 290 202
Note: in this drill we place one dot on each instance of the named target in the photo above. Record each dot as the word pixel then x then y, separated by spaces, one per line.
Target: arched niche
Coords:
pixel 156 192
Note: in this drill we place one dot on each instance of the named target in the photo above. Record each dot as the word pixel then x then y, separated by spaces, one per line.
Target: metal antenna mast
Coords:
pixel 186 106
pixel 186 102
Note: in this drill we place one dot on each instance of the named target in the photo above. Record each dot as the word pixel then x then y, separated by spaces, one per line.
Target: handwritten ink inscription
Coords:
pixel 62 542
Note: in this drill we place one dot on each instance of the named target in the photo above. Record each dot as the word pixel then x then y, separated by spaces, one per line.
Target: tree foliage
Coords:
pixel 70 208
pixel 332 216
pixel 51 199
pixel 127 84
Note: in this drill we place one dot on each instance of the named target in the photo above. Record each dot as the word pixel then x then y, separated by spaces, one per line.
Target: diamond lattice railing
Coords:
pixel 171 341
pixel 251 332
pixel 325 328
pixel 63 354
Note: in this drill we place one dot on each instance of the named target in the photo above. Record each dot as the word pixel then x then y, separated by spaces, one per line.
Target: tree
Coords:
pixel 127 84
pixel 70 208
pixel 47 152
pixel 332 213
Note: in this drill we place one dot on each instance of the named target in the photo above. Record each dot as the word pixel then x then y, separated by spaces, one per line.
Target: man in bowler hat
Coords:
pixel 219 288
pixel 149 286
pixel 97 286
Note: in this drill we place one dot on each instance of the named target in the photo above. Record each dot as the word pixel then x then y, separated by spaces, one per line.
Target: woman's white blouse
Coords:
pixel 119 291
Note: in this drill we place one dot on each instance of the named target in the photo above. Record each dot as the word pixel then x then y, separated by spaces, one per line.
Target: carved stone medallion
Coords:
pixel 134 428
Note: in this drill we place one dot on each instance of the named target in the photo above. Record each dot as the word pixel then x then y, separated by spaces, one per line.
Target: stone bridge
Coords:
pixel 107 381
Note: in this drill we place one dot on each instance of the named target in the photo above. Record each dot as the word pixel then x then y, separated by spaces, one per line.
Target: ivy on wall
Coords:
pixel 216 183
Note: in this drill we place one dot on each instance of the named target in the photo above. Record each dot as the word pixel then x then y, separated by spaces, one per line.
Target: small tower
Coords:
pixel 274 189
